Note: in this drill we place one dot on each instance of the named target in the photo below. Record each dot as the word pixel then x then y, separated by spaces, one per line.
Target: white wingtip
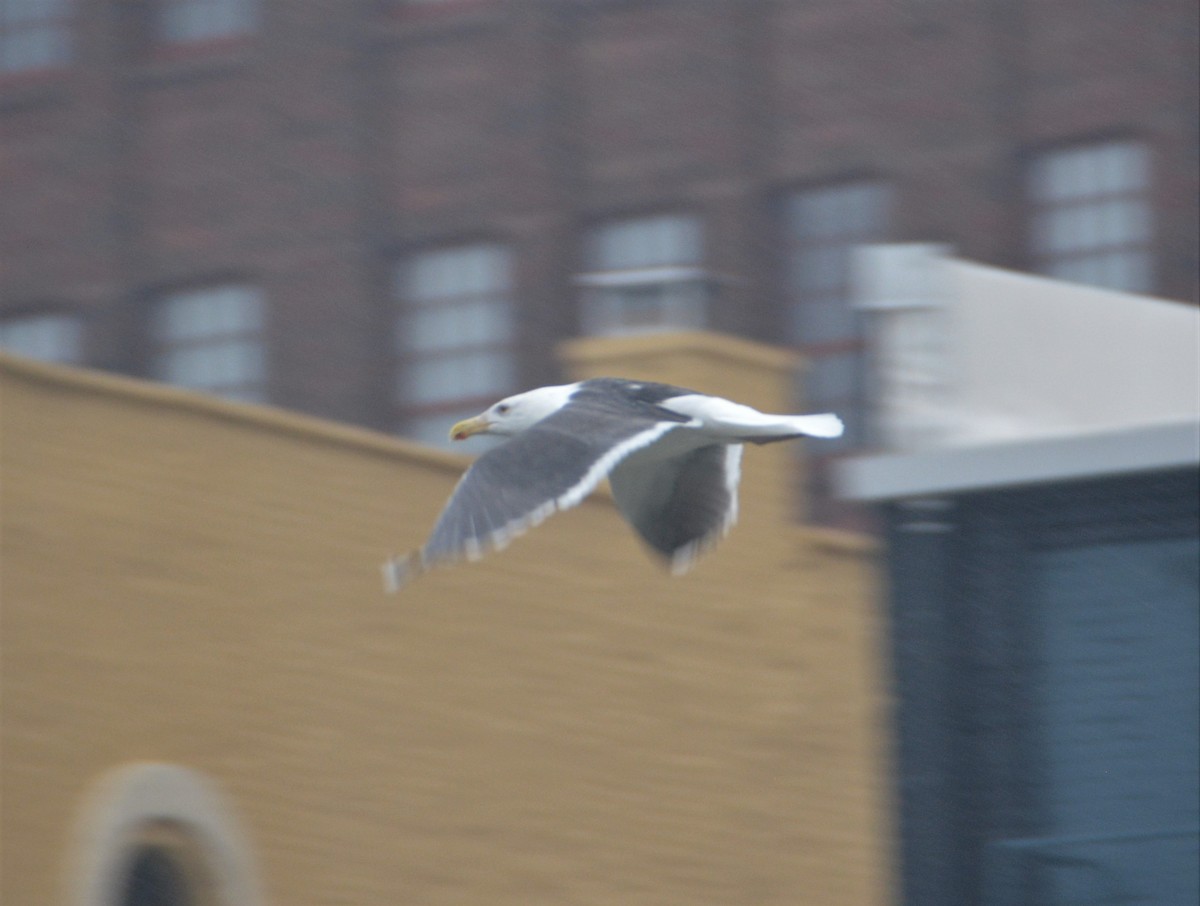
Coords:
pixel 824 425
pixel 399 571
pixel 683 560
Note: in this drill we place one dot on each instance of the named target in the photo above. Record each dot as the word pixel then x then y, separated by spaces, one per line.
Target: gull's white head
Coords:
pixel 514 414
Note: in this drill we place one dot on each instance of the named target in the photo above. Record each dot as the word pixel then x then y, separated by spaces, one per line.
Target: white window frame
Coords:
pixel 834 240
pixel 1091 216
pixel 35 38
pixel 615 302
pixel 639 290
pixel 455 335
pixel 190 21
pixel 835 352
pixel 221 351
pixel 46 336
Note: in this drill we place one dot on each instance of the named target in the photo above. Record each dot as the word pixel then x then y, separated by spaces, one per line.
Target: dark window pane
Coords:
pixel 154 878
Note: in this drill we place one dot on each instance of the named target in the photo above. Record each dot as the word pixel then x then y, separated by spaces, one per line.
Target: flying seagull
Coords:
pixel 672 457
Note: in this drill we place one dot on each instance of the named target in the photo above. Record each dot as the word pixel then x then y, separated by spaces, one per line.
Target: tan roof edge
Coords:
pixel 840 540
pixel 640 345
pixel 85 380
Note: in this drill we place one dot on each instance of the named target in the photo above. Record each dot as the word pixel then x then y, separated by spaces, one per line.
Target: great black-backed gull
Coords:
pixel 672 457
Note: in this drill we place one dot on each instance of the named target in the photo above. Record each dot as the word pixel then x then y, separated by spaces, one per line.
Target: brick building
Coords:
pixel 209 700
pixel 388 212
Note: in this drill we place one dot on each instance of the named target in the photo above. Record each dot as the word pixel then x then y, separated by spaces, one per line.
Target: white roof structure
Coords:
pixel 988 378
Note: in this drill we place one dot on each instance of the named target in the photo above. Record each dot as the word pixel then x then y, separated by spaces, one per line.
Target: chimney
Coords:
pixel 740 370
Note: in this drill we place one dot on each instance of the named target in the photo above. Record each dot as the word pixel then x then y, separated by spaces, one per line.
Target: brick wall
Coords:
pixel 197 583
pixel 307 156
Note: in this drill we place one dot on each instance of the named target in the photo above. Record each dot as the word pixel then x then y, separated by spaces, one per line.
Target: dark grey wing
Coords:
pixel 551 466
pixel 683 505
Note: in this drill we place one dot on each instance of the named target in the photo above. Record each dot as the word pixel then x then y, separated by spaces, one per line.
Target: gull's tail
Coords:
pixel 725 419
pixel 774 428
pixel 826 424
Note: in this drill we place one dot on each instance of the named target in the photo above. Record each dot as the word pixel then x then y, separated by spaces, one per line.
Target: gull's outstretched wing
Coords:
pixel 683 504
pixel 551 466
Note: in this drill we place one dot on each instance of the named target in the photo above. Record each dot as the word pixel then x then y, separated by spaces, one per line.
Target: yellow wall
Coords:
pixel 197 583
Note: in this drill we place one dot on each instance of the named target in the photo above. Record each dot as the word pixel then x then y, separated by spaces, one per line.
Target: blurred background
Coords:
pixel 975 223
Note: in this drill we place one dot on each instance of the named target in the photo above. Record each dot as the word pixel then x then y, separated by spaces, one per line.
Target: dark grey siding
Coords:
pixel 1046 651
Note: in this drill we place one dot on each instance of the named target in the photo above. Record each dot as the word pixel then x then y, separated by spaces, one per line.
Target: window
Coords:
pixel 1090 215
pixel 49 337
pixel 157 834
pixel 33 34
pixel 454 337
pixel 822 228
pixel 156 875
pixel 210 339
pixel 422 9
pixel 201 20
pixel 644 274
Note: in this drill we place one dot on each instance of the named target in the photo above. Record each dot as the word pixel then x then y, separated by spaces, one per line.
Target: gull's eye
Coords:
pixel 503 408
